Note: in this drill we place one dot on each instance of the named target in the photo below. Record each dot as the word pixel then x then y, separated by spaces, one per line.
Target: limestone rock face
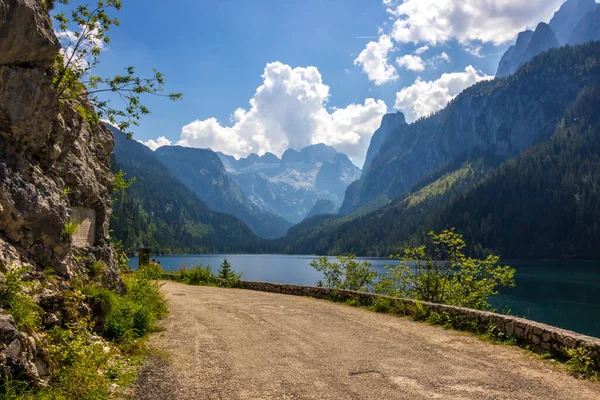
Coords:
pixel 52 163
pixel 51 159
pixel 568 16
pixel 588 29
pixel 26 35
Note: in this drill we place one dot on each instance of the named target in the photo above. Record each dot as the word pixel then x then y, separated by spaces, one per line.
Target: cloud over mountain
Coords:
pixel 289 110
pixel 436 21
pixel 423 98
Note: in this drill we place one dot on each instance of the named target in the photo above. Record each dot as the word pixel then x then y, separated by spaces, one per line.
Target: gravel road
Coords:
pixel 237 344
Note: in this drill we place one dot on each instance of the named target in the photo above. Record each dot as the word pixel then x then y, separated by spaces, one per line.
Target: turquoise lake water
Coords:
pixel 559 293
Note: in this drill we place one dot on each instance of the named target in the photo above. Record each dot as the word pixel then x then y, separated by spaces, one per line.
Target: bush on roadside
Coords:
pixel 581 363
pixel 345 274
pixel 196 276
pixel 135 314
pixel 441 273
pixel 204 276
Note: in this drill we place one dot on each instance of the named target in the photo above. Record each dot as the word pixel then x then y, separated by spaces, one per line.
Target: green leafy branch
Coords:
pixel 79 56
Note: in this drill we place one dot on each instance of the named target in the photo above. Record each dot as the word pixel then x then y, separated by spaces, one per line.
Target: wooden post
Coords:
pixel 144 257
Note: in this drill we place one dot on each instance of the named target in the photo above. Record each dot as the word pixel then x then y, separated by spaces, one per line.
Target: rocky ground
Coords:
pixel 237 344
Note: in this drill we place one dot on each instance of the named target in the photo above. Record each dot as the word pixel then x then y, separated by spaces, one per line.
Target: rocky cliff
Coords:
pixel 529 44
pixel 588 29
pixel 574 23
pixel 54 173
pixel 568 16
pixel 389 123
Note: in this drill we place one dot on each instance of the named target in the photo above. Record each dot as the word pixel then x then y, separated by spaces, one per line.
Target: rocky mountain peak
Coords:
pixel 588 28
pixel 389 123
pixel 310 154
pixel 575 22
pixel 568 16
pixel 290 186
pixel 543 39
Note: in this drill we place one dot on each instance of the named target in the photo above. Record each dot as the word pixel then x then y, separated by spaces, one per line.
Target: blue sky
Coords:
pixel 221 54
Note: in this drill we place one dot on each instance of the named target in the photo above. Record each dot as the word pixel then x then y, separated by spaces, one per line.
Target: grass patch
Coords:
pixel 85 366
pixel 13 298
pixel 71 227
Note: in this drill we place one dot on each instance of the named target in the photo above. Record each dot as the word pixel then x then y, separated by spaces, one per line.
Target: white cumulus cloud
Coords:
pixel 424 98
pixel 444 56
pixel 374 61
pixel 411 63
pixel 289 110
pixel 422 49
pixel 437 21
pixel 155 144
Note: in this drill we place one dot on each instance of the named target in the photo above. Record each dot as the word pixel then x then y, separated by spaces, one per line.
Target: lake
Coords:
pixel 560 293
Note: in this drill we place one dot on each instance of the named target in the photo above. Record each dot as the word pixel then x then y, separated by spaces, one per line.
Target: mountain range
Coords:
pixel 313 179
pixel 513 164
pixel 159 212
pixel 576 22
pixel 204 174
pixel 290 186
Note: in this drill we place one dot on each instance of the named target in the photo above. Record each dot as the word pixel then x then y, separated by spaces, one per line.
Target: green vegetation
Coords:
pixel 582 365
pixel 71 227
pixel 228 277
pixel 84 366
pixel 204 276
pixel 65 192
pixel 14 298
pixel 443 274
pixel 438 272
pixel 198 276
pixel 120 184
pixel 83 31
pixel 161 213
pixel 347 273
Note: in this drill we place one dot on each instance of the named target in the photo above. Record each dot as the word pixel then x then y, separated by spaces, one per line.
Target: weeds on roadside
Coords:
pixel 581 364
pixel 204 276
pixel 82 365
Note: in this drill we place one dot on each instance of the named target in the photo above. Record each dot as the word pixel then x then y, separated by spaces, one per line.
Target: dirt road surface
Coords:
pixel 237 344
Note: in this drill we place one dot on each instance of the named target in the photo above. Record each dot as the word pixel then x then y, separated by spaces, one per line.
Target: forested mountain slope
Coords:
pixel 501 117
pixel 161 213
pixel 543 203
pixel 202 171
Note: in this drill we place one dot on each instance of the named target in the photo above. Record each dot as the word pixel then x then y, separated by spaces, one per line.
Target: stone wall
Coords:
pixel 540 337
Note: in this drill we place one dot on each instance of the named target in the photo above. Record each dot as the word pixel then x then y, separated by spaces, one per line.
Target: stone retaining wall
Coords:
pixel 540 337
